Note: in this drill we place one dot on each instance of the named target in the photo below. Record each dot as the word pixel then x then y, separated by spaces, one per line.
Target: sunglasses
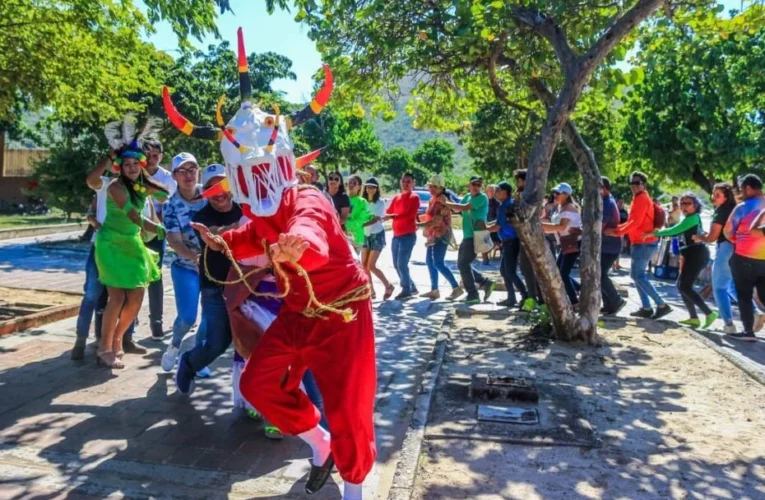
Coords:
pixel 334 179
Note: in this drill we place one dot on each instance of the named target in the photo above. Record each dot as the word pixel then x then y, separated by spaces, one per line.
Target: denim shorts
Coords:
pixel 375 242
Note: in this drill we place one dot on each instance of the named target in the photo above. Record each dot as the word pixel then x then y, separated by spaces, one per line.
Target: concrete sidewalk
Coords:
pixel 74 430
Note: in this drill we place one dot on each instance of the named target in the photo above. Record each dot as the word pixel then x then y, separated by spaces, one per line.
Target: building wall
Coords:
pixel 16 171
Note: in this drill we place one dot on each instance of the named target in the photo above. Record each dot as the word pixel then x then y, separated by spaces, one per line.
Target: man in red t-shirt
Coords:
pixel 403 210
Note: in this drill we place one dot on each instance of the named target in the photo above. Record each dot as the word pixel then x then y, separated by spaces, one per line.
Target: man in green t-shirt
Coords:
pixel 474 208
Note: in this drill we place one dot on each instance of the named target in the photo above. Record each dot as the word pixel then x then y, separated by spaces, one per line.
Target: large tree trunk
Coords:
pixel 592 215
pixel 700 178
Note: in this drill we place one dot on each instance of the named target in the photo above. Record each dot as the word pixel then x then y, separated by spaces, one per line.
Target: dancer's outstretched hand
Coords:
pixel 290 248
pixel 207 236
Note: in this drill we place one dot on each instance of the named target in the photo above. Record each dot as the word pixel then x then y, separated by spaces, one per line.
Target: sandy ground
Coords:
pixel 676 419
pixel 22 296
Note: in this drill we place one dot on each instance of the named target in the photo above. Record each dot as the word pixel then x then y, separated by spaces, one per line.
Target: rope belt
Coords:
pixel 314 308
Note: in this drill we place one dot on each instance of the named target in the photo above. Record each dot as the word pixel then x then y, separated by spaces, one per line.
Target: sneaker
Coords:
pixel 456 292
pixel 433 295
pixel 273 432
pixel 711 318
pixel 619 307
pixel 661 312
pixel 404 296
pixel 506 303
pixel 642 313
pixel 529 305
pixel 156 330
pixel 184 376
pixel 488 288
pixel 729 329
pixel 472 299
pixel 130 347
pixel 254 415
pixel 204 373
pixel 78 351
pixel 743 336
pixel 691 322
pixel 169 358
pixel 759 321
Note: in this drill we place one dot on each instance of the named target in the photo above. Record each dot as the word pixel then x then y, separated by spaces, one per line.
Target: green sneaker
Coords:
pixel 544 313
pixel 254 415
pixel 488 289
pixel 691 322
pixel 711 318
pixel 529 305
pixel 472 300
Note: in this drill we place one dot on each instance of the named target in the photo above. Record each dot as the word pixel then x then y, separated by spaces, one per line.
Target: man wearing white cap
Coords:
pixel 178 211
pixel 220 214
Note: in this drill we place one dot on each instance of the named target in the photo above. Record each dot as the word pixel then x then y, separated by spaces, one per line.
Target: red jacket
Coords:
pixel 308 213
pixel 640 220
pixel 404 207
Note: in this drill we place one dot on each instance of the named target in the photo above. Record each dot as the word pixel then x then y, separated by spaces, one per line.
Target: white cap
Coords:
pixel 564 188
pixel 210 171
pixel 182 158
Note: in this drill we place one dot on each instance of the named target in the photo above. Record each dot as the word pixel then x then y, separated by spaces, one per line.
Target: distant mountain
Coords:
pixel 399 132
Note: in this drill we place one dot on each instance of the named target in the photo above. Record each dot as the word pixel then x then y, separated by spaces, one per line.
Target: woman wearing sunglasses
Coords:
pixel 336 191
pixel 695 257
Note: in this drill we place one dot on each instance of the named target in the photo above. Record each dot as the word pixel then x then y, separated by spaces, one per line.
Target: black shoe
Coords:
pixel 78 351
pixel 642 313
pixel 506 303
pixel 743 336
pixel 488 288
pixel 621 305
pixel 156 330
pixel 404 296
pixel 661 312
pixel 319 475
pixel 131 347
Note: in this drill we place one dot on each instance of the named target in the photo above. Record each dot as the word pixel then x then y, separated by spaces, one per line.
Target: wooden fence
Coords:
pixel 18 162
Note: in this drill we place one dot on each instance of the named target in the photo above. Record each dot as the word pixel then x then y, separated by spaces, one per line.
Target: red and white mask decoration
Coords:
pixel 256 146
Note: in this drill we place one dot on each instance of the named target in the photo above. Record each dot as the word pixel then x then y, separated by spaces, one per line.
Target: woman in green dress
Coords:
pixel 359 215
pixel 125 265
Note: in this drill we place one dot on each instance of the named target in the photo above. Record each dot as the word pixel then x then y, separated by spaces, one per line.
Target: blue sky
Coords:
pixel 276 33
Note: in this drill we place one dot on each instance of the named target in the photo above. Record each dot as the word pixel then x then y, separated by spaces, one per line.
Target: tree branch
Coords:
pixel 545 26
pixel 616 33
pixel 500 93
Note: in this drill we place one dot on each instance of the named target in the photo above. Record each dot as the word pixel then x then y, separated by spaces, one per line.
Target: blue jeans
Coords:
pixel 641 255
pixel 435 260
pixel 312 390
pixel 722 281
pixel 217 327
pixel 402 247
pixel 186 287
pixel 92 292
pixel 93 300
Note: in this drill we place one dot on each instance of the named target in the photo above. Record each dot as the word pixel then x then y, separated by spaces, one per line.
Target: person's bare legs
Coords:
pixel 371 267
pixel 114 306
pixel 364 260
pixel 130 308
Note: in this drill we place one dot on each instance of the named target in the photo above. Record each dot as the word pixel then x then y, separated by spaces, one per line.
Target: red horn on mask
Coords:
pixel 181 123
pixel 304 160
pixel 319 101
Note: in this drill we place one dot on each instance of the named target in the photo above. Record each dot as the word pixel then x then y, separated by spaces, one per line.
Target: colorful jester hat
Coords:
pixel 257 149
pixel 124 139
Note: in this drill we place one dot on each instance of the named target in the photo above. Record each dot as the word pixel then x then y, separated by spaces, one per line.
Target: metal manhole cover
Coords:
pixel 508 415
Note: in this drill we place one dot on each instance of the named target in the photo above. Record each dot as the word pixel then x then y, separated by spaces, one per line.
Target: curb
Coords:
pixel 26 232
pixel 43 317
pixel 406 469
pixel 749 367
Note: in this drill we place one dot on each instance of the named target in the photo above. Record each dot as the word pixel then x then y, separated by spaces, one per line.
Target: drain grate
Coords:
pixel 493 386
pixel 508 415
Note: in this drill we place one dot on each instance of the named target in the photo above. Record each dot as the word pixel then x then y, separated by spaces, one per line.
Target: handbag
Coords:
pixel 482 242
pixel 569 244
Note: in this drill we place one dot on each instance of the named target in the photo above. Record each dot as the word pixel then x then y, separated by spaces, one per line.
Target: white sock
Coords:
pixel 351 491
pixel 318 439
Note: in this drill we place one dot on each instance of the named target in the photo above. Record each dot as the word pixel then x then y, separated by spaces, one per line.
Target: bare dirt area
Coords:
pixel 673 419
pixel 15 302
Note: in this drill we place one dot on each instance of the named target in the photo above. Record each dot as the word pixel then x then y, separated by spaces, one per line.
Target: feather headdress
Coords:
pixel 123 134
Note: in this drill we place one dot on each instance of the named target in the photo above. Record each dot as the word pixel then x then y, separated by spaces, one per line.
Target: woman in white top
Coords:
pixel 374 236
pixel 566 225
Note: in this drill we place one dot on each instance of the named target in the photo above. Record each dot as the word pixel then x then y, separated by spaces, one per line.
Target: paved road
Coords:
pixel 71 428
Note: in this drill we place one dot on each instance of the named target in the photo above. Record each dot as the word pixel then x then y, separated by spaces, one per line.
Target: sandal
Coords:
pixel 109 360
pixel 273 432
pixel 388 291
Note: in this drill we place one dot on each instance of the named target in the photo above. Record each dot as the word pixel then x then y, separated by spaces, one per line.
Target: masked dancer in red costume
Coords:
pixel 325 321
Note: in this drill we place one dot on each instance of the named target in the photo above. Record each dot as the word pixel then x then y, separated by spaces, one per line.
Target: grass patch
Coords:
pixel 20 221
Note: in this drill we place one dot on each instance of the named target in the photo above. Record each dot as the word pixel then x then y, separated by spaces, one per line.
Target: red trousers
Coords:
pixel 341 357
